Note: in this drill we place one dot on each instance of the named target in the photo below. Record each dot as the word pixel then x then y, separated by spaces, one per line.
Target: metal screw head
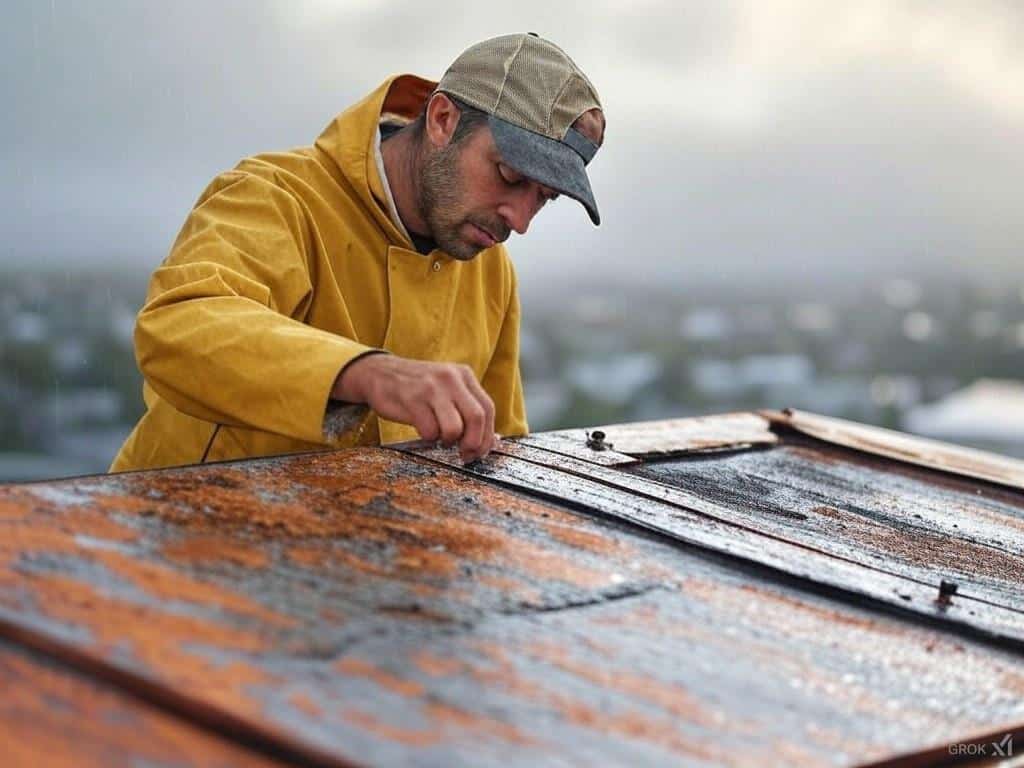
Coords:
pixel 595 440
pixel 947 589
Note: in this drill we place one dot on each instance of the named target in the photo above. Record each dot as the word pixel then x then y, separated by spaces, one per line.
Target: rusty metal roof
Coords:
pixel 738 590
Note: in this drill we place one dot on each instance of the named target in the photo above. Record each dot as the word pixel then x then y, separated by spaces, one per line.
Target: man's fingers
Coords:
pixel 481 396
pixel 477 441
pixel 478 416
pixel 442 401
pixel 449 420
pixel 425 422
pixel 475 438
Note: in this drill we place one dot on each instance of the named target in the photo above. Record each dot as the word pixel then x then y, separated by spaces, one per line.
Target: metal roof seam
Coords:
pixel 995 629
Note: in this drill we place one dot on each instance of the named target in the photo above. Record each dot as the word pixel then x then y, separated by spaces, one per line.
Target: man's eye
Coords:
pixel 509 176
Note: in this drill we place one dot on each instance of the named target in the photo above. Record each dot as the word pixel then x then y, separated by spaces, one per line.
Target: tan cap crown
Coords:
pixel 523 79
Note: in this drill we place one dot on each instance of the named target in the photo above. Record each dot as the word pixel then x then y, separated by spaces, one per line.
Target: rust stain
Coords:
pixel 435 538
pixel 827 615
pixel 928 549
pixel 168 584
pixel 603 649
pixel 591 541
pixel 28 527
pixel 332 616
pixel 304 703
pixel 665 733
pixel 159 641
pixel 635 615
pixel 672 698
pixel 221 500
pixel 626 723
pixel 355 562
pixel 410 737
pixel 209 549
pixel 832 739
pixel 544 564
pixel 991 516
pixel 912 652
pixel 11 512
pixel 431 562
pixel 429 590
pixel 446 719
pixel 418 543
pixel 515 589
pixel 51 717
pixel 97 525
pixel 449 715
pixel 310 556
pixel 429 524
pixel 363 496
pixel 789 753
pixel 437 666
pixel 359 668
pixel 416 613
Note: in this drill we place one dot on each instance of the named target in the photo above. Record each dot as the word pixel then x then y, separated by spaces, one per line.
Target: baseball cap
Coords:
pixel 533 93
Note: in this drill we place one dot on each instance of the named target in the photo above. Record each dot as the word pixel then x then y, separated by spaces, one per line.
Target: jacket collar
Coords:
pixel 349 140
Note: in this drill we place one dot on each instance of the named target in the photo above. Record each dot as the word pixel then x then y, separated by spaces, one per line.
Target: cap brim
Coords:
pixel 546 160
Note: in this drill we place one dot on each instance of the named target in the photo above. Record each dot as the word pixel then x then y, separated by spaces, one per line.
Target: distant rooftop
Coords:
pixel 988 409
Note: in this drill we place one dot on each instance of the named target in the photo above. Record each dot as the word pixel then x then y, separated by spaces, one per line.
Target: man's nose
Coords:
pixel 519 210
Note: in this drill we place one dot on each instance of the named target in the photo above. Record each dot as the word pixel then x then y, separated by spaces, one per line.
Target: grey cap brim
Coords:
pixel 549 161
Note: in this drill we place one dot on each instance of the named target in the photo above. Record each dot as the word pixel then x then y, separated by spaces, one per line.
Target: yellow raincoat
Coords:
pixel 288 268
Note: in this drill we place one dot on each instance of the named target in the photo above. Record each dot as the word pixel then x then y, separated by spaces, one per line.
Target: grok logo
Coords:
pixel 1001 748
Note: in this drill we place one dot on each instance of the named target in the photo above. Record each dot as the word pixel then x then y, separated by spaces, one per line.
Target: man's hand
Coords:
pixel 443 401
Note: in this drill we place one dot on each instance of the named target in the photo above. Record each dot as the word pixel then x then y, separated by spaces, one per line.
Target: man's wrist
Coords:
pixel 348 388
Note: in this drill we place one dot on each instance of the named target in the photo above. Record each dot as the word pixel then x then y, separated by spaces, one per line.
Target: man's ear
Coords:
pixel 442 119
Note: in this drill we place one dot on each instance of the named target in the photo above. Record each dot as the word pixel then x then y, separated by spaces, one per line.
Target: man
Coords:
pixel 357 291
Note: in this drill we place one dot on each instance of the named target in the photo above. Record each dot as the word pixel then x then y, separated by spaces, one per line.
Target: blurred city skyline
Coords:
pixel 747 140
pixel 940 358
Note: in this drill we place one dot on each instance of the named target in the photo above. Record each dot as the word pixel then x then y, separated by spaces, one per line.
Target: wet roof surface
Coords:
pixel 775 604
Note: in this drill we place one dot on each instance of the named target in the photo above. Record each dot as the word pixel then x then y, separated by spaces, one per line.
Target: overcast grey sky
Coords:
pixel 745 137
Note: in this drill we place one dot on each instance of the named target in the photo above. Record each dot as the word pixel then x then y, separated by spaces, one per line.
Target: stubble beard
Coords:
pixel 440 196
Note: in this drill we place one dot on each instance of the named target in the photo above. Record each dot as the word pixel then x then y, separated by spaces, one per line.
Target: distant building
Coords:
pixel 714 377
pixel 987 414
pixel 706 324
pixel 617 379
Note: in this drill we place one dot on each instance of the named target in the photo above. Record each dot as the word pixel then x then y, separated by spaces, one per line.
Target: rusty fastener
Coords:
pixel 595 441
pixel 947 589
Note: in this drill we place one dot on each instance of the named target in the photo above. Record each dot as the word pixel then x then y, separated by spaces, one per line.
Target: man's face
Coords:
pixel 472 200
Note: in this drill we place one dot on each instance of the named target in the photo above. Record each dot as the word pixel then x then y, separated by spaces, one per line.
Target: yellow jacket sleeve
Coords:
pixel 502 379
pixel 221 336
